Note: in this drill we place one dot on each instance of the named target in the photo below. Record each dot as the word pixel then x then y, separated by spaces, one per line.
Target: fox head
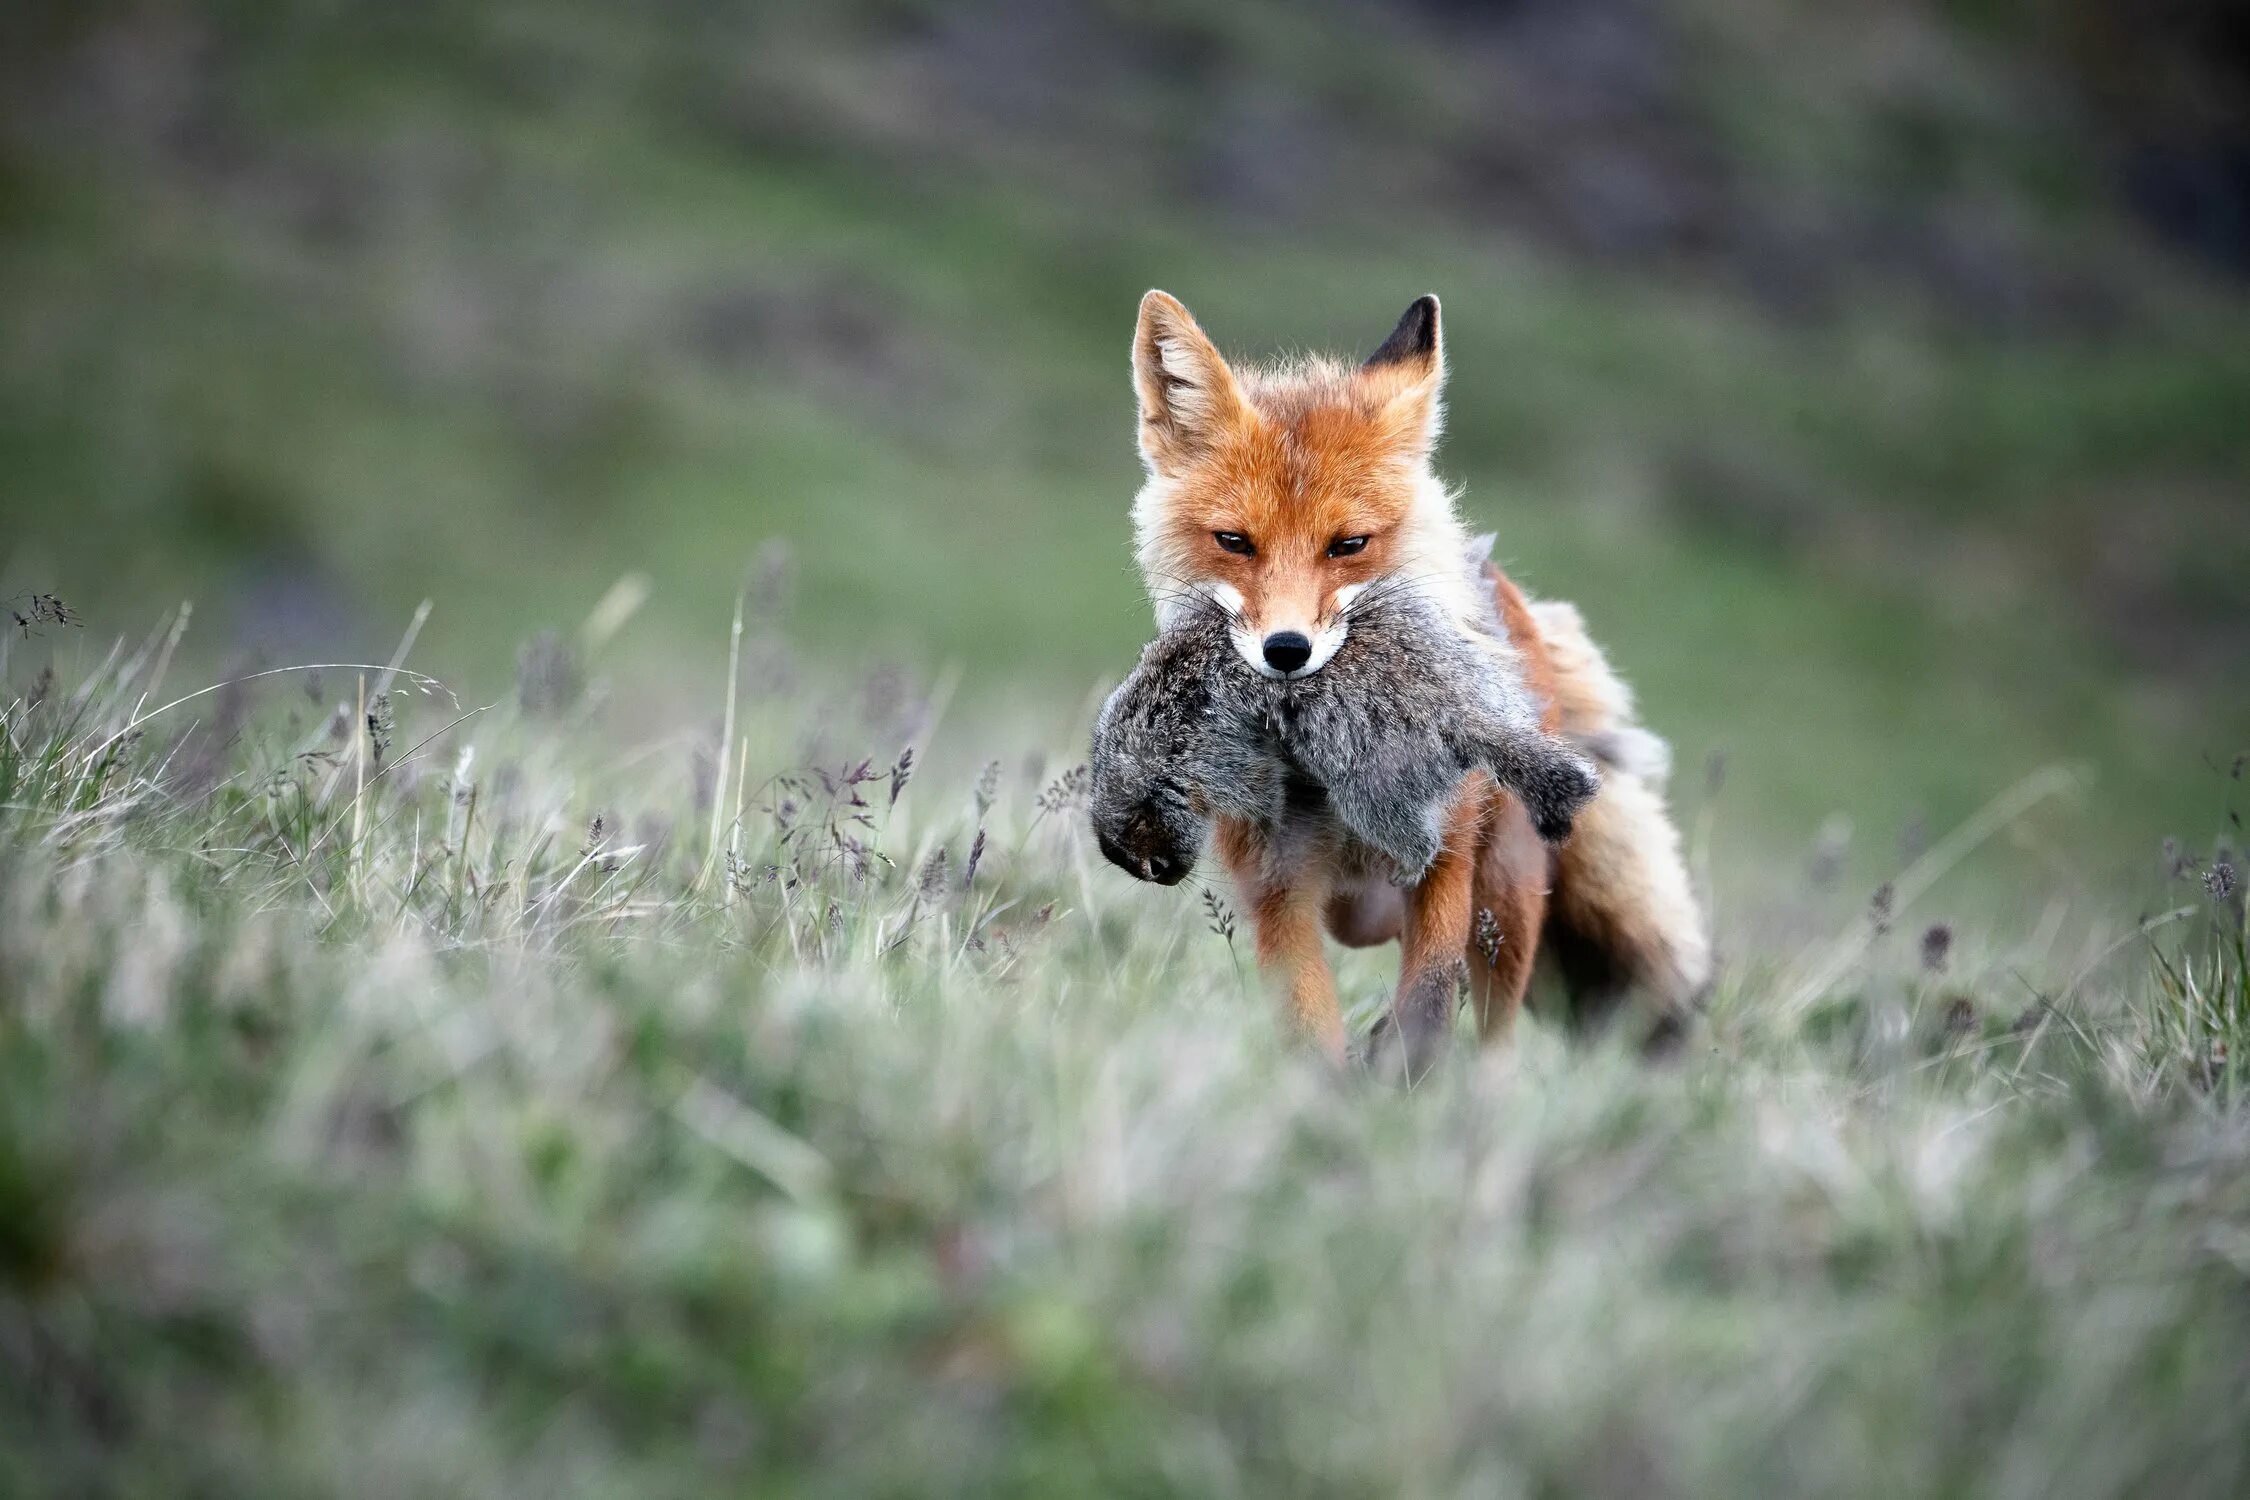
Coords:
pixel 1284 495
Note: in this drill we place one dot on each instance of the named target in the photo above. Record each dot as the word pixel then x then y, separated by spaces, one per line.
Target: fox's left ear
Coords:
pixel 1407 374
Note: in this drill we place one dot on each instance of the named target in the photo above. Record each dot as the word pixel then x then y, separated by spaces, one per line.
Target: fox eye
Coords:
pixel 1345 546
pixel 1235 542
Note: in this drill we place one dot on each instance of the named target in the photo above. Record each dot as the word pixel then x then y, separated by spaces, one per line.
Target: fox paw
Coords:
pixel 1409 1041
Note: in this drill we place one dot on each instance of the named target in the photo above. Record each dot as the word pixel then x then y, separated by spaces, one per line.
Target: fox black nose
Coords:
pixel 1286 651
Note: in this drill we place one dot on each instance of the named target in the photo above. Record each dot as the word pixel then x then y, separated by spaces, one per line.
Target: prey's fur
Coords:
pixel 1380 738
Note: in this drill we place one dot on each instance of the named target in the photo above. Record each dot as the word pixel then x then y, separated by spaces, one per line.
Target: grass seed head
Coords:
pixel 929 881
pixel 1067 790
pixel 902 771
pixel 1488 935
pixel 1221 917
pixel 2219 880
pixel 381 725
pixel 1960 1016
pixel 28 612
pixel 1937 946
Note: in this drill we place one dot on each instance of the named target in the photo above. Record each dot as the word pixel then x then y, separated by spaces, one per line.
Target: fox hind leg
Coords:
pixel 1438 927
pixel 1510 907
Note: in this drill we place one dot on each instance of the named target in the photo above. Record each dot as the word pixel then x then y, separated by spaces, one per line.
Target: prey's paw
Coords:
pixel 1412 852
pixel 1556 790
pixel 1406 875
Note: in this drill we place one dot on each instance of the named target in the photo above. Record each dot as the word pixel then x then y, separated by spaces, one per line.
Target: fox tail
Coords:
pixel 1623 921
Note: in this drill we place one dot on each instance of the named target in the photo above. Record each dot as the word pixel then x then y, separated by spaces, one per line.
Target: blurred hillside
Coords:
pixel 1875 376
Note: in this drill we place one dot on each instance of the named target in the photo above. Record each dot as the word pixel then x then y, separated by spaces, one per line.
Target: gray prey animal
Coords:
pixel 1379 739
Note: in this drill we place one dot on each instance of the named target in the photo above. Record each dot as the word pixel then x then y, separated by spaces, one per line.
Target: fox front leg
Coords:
pixel 1286 910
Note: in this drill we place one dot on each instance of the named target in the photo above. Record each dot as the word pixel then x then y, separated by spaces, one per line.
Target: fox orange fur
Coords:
pixel 1283 494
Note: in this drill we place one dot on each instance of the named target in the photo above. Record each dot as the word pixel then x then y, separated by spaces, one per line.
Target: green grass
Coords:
pixel 496 309
pixel 385 1125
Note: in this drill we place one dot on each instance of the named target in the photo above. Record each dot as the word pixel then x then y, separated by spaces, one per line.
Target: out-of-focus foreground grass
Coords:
pixel 399 1103
pixel 1813 356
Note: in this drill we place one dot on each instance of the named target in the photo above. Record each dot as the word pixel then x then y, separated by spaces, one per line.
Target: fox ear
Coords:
pixel 1407 374
pixel 1414 343
pixel 1188 396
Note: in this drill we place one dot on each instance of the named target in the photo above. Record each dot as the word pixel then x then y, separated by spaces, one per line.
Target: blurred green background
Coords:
pixel 1876 377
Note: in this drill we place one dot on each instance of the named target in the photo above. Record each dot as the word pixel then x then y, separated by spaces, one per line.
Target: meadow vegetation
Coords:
pixel 1808 349
pixel 405 1096
pixel 584 1049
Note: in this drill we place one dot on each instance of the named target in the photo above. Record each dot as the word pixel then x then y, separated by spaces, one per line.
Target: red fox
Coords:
pixel 1285 494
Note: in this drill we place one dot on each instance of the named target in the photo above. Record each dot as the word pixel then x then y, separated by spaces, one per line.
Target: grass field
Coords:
pixel 688 1044
pixel 398 1103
